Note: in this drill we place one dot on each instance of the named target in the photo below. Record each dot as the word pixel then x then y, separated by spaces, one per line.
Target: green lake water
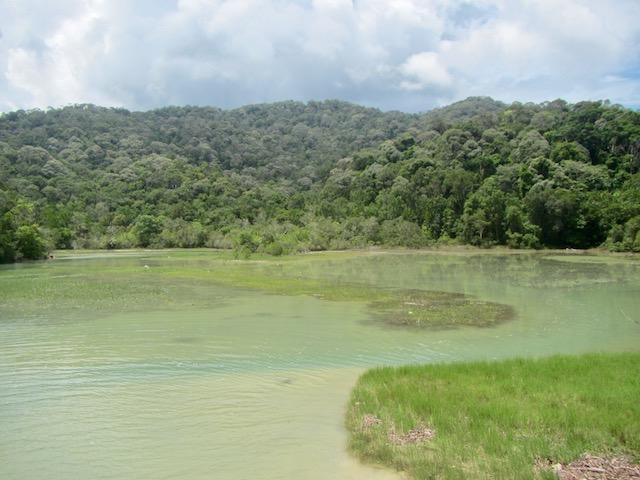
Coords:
pixel 154 365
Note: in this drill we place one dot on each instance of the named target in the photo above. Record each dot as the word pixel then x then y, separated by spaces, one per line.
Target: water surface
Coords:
pixel 146 367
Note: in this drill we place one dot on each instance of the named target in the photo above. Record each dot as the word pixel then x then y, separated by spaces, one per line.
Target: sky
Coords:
pixel 408 55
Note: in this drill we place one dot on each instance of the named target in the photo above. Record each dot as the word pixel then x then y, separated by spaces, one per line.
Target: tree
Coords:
pixel 146 228
pixel 30 243
pixel 483 221
pixel 556 211
pixel 321 175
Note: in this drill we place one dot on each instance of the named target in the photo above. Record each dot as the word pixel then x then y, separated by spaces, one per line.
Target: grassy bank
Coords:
pixel 496 420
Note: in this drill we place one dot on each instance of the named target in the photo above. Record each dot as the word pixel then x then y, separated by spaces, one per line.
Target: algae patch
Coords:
pixel 432 309
pixel 178 280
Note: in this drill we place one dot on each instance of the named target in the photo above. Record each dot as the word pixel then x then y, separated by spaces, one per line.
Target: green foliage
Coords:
pixel 627 237
pixel 400 232
pixel 20 238
pixel 498 419
pixel 146 228
pixel 178 233
pixel 483 221
pixel 322 175
pixel 29 243
pixel 245 244
pixel 7 247
pixel 63 238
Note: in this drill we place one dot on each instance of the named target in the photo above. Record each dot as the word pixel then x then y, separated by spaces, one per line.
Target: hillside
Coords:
pixel 293 176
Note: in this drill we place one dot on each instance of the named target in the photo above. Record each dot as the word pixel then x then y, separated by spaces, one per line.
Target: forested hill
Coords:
pixel 293 176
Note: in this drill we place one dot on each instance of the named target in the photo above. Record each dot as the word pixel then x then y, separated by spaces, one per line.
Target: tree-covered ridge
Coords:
pixel 528 176
pixel 281 139
pixel 293 176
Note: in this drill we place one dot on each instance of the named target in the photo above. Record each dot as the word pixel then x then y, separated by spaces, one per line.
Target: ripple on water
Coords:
pixel 254 386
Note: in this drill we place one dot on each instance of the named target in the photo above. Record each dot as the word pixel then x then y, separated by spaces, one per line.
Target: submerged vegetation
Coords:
pixel 151 287
pixel 508 419
pixel 417 308
pixel 290 176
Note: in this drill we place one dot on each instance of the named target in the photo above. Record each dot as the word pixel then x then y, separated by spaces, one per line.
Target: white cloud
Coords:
pixel 22 71
pixel 405 54
pixel 424 70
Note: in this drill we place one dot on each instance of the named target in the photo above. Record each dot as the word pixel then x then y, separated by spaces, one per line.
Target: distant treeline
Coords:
pixel 291 176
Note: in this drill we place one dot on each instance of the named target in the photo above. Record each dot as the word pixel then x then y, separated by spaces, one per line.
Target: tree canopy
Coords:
pixel 295 176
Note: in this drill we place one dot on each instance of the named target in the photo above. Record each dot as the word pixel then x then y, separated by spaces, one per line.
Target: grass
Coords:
pixel 495 420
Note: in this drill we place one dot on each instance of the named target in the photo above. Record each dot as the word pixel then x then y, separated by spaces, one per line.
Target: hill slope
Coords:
pixel 287 176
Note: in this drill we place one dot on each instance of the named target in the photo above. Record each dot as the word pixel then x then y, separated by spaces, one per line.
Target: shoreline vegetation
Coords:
pixel 522 418
pixel 451 249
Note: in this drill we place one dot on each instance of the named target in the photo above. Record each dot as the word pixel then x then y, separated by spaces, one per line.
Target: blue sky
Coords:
pixel 409 55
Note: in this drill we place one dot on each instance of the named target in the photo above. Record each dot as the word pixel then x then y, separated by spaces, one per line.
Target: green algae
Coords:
pixel 166 279
pixel 429 309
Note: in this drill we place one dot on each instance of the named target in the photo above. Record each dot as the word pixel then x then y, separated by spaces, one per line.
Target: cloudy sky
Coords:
pixel 407 55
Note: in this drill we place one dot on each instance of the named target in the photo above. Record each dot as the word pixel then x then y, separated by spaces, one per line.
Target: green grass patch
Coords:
pixel 497 419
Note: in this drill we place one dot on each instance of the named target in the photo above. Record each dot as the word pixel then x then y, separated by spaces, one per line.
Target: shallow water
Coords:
pixel 116 368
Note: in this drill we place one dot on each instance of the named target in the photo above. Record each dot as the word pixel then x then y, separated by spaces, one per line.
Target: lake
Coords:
pixel 191 365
